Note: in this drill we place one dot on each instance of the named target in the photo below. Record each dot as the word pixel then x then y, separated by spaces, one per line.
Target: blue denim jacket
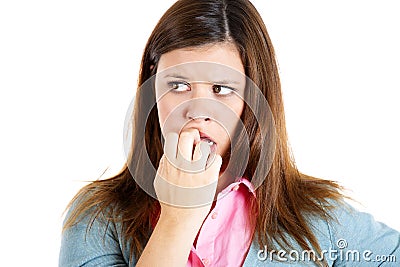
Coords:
pixel 353 239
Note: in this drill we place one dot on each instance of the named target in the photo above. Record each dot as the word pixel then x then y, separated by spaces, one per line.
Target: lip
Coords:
pixel 205 136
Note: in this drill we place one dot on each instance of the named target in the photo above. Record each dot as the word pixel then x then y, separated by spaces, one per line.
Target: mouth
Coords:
pixel 209 141
pixel 206 138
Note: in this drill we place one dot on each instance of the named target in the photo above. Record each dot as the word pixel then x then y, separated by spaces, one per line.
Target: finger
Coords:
pixel 186 141
pixel 215 166
pixel 201 152
pixel 170 146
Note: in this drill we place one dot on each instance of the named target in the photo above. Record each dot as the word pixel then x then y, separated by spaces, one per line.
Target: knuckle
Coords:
pixel 186 134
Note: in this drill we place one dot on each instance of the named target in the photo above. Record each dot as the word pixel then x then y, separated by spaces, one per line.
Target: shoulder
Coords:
pixel 356 238
pixel 91 241
pixel 347 221
pixel 358 232
pixel 346 236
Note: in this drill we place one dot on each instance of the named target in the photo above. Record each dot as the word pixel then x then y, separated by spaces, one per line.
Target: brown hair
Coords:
pixel 285 199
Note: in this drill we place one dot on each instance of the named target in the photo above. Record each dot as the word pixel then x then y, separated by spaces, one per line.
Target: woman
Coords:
pixel 201 198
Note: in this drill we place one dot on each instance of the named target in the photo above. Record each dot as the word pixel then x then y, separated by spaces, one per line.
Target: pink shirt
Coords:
pixel 225 235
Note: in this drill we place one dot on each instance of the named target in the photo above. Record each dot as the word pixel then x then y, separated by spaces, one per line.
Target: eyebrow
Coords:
pixel 223 82
pixel 178 76
pixel 226 82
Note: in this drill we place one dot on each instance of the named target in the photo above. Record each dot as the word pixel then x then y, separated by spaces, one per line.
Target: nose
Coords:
pixel 199 107
pixel 192 116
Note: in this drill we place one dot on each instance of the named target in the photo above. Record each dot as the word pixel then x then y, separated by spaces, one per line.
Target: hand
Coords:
pixel 186 181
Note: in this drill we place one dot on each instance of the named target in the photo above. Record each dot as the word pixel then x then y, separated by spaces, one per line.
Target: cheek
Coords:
pixel 170 116
pixel 236 105
pixel 238 108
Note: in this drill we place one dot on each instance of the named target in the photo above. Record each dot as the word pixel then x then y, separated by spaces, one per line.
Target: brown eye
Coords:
pixel 216 88
pixel 179 86
pixel 222 90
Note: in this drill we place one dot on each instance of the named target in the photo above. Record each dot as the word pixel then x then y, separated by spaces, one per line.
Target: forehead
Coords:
pixel 218 63
pixel 224 54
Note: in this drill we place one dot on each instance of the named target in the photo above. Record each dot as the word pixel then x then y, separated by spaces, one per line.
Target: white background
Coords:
pixel 68 71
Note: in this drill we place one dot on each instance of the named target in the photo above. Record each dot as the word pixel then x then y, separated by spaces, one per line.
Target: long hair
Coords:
pixel 284 200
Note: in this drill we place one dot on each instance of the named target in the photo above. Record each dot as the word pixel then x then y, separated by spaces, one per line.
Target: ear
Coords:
pixel 151 67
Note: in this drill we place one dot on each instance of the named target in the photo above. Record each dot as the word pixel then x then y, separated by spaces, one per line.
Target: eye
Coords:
pixel 222 90
pixel 179 86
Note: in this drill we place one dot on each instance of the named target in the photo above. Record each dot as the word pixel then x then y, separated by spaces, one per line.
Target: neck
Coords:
pixel 224 180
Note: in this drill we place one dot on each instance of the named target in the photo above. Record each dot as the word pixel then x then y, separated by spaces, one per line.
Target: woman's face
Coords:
pixel 201 88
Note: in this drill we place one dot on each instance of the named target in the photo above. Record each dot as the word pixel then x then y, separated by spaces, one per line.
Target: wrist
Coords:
pixel 177 216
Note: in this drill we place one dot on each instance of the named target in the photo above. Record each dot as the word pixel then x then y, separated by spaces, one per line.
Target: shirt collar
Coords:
pixel 238 182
